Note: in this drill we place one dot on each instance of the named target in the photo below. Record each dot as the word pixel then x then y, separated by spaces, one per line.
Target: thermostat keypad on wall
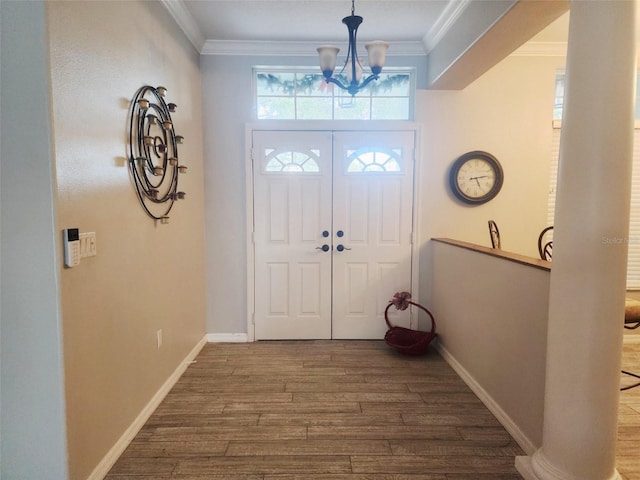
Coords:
pixel 71 243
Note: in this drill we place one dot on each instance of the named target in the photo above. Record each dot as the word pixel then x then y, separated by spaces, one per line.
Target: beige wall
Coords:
pixel 496 337
pixel 507 112
pixel 145 277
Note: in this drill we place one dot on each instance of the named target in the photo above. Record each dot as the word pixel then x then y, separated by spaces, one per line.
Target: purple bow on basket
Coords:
pixel 401 300
pixel 407 340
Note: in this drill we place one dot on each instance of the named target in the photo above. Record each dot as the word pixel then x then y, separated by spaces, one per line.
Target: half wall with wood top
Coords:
pixel 492 308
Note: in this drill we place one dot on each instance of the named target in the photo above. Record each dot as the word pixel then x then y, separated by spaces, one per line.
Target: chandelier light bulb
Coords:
pixel 377 51
pixel 353 68
pixel 328 57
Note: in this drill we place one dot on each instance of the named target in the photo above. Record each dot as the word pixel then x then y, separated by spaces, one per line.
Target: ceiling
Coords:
pixel 412 26
pixel 314 20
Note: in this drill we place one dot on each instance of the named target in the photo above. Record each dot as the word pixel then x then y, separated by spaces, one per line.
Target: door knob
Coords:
pixel 341 247
pixel 324 248
pixel 325 234
pixel 340 233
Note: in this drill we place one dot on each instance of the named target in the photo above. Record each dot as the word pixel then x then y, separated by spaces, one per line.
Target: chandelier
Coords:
pixel 376 50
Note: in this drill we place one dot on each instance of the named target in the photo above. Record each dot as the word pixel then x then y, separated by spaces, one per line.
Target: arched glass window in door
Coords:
pixel 291 161
pixel 370 160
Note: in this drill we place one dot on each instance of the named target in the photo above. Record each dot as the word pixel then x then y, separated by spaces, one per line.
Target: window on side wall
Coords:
pixel 633 240
pixel 302 94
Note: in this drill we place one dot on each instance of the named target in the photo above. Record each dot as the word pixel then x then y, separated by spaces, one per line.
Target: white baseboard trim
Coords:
pixel 518 435
pixel 524 468
pixel 227 338
pixel 123 442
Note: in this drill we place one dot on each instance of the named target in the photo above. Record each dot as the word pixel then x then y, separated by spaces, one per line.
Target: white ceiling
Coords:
pixel 414 26
pixel 314 20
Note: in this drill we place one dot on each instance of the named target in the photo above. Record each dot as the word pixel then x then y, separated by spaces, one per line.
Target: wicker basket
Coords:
pixel 406 340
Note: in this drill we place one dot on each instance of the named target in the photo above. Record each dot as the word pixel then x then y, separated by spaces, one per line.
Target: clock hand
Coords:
pixel 476 179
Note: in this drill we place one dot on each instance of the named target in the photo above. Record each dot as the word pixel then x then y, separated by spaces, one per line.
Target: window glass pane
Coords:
pixel 352 108
pixel 373 161
pixel 314 108
pixel 559 97
pixel 275 83
pixel 292 162
pixel 390 108
pixel 311 85
pixel 302 93
pixel 391 85
pixel 276 108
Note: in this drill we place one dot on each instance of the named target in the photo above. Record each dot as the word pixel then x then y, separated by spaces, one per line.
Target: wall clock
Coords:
pixel 476 177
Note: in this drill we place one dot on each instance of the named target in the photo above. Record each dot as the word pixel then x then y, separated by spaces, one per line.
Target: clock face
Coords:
pixel 476 177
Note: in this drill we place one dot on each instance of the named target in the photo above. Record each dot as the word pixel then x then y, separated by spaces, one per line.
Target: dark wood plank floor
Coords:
pixel 628 448
pixel 321 410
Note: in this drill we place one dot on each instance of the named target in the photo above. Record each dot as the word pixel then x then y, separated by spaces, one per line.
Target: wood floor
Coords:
pixel 628 448
pixel 319 411
pixel 335 411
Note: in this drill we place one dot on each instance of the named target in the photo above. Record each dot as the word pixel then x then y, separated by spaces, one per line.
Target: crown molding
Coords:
pixel 541 49
pixel 185 21
pixel 285 48
pixel 447 18
pixel 450 14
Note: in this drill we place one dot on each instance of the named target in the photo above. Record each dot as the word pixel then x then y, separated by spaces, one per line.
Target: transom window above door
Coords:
pixel 302 94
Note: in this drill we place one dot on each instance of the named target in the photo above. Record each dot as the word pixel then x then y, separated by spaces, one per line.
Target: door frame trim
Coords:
pixel 328 126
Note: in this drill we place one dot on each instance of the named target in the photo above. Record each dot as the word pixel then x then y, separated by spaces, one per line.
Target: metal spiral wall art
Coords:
pixel 153 152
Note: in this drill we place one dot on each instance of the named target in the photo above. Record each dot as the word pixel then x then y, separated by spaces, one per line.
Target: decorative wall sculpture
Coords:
pixel 153 152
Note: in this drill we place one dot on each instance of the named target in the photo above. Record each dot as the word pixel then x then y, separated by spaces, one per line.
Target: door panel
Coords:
pixel 350 191
pixel 292 207
pixel 373 207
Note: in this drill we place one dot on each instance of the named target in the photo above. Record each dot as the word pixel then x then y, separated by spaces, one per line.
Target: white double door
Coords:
pixel 332 232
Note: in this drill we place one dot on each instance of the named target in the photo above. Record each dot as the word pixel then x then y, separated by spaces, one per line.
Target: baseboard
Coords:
pixel 227 338
pixel 123 442
pixel 524 468
pixel 518 435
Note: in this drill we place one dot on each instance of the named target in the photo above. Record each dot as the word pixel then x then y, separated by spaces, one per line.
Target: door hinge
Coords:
pixel 253 318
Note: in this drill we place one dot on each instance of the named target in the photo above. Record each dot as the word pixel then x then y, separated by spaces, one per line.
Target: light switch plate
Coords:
pixel 88 244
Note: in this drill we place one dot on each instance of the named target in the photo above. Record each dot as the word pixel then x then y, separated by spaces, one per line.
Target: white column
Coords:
pixel 586 303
